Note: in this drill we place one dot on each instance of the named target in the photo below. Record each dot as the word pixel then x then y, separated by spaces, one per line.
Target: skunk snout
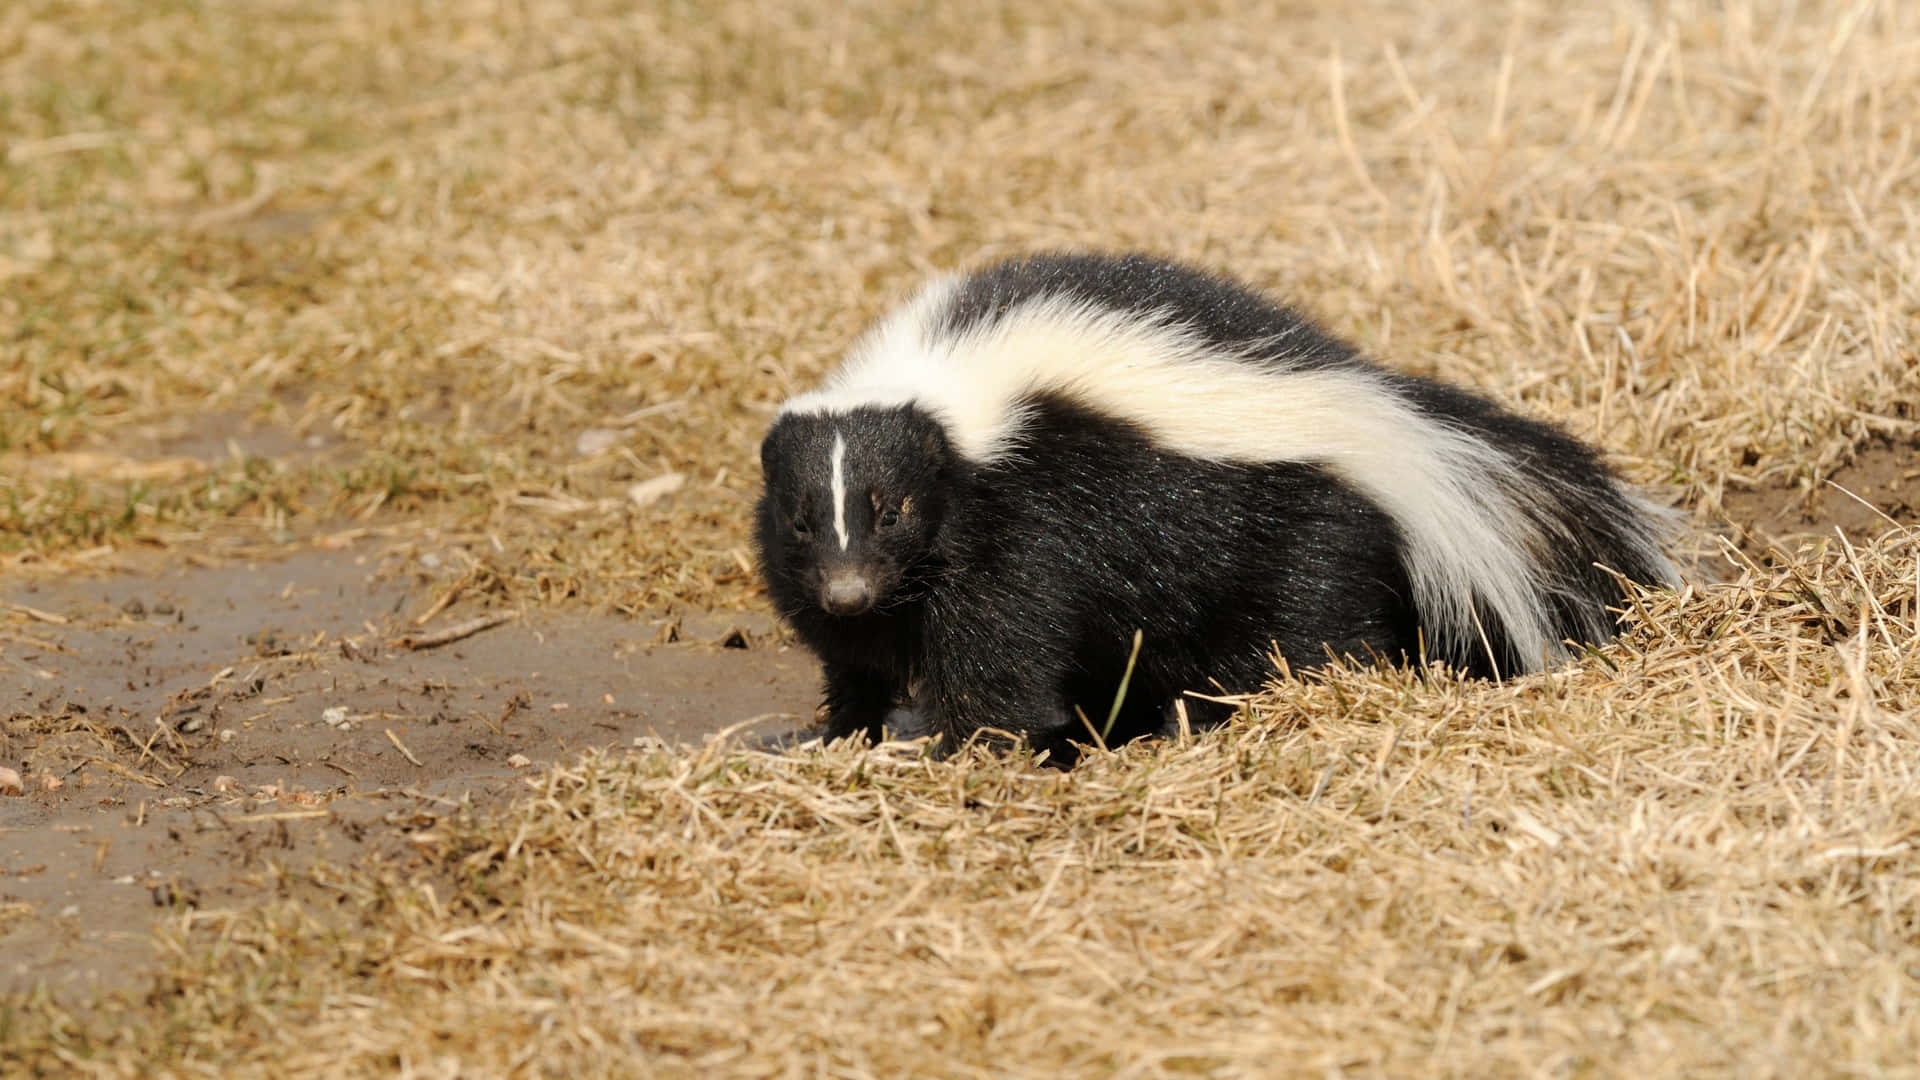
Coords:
pixel 846 592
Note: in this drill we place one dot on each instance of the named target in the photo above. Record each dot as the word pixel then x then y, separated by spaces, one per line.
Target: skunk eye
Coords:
pixel 889 519
pixel 801 528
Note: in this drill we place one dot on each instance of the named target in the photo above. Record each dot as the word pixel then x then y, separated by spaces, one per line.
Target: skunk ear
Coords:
pixel 933 441
pixel 774 448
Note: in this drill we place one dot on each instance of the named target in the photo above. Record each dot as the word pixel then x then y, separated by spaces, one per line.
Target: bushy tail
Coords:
pixel 1577 525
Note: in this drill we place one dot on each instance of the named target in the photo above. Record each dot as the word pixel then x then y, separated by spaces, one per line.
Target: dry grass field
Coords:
pixel 497 297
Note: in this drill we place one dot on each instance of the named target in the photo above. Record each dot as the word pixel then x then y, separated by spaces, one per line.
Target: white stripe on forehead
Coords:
pixel 840 489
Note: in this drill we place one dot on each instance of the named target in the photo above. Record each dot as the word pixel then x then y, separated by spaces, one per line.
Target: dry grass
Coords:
pixel 1669 860
pixel 431 247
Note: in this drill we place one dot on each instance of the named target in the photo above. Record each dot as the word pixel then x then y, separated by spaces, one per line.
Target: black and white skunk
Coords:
pixel 1018 469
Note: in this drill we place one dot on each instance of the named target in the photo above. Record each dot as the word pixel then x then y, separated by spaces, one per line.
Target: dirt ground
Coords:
pixel 1879 488
pixel 183 733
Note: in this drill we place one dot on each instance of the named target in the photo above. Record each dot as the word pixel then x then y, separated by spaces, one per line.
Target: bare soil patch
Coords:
pixel 184 736
pixel 1878 490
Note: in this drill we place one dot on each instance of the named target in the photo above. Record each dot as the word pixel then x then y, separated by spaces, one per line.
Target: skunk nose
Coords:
pixel 846 593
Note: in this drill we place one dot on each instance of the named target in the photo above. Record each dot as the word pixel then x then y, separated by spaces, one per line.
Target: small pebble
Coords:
pixel 228 734
pixel 10 782
pixel 519 761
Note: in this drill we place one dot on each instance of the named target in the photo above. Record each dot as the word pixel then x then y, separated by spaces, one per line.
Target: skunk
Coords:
pixel 1019 469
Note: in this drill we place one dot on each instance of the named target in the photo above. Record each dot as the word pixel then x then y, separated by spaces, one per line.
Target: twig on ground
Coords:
pixel 37 614
pixel 402 747
pixel 449 634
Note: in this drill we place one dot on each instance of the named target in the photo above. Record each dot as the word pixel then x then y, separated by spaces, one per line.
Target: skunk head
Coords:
pixel 854 504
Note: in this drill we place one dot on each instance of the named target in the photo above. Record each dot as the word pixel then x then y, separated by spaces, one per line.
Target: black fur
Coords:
pixel 1225 313
pixel 1013 590
pixel 1005 595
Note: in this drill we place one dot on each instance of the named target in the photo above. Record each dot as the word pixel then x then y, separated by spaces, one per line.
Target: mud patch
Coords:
pixel 187 737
